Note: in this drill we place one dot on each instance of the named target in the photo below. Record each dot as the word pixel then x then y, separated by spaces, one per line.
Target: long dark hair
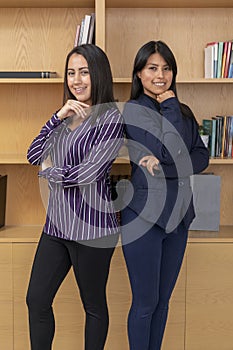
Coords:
pixel 140 61
pixel 100 75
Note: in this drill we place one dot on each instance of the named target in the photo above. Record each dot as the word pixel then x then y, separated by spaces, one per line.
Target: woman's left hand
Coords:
pixel 150 162
pixel 165 96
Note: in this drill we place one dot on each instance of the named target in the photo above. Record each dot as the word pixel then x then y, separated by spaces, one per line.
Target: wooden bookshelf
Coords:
pixel 37 35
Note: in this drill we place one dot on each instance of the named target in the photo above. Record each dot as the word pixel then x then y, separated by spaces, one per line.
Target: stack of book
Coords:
pixel 220 131
pixel 27 74
pixel 219 60
pixel 85 31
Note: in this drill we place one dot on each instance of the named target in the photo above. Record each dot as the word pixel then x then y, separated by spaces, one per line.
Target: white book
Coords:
pixel 86 27
pixel 81 32
pixel 209 61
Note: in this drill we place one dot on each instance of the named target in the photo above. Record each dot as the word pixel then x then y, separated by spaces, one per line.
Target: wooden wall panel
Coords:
pixel 186 31
pixel 38 38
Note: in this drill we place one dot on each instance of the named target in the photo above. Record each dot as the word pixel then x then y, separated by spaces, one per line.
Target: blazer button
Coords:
pixel 181 183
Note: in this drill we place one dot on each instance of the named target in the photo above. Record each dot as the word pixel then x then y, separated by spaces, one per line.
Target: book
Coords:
pixel 209 60
pixel 215 59
pixel 213 138
pixel 27 74
pixel 224 136
pixel 86 27
pixel 3 186
pixel 230 72
pixel 207 130
pixel 219 134
pixel 228 138
pixel 91 33
pixel 77 35
pixel 229 150
pixel 220 51
pixel 224 55
pixel 81 32
pixel 228 56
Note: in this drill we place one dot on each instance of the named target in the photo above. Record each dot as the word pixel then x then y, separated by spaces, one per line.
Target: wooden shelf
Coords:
pixel 47 3
pixel 25 234
pixel 224 235
pixel 205 81
pixel 115 80
pixel 168 3
pixel 117 3
pixel 13 159
pixel 22 234
pixel 21 159
pixel 183 81
pixel 32 81
pixel 217 161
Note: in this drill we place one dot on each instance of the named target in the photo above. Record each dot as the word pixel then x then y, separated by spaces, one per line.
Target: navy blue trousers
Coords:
pixel 153 261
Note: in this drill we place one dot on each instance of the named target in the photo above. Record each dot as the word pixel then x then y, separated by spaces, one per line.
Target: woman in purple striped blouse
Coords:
pixel 76 149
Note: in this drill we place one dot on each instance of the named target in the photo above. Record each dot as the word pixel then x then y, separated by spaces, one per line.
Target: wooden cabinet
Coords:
pixel 6 297
pixel 37 35
pixel 209 297
pixel 15 265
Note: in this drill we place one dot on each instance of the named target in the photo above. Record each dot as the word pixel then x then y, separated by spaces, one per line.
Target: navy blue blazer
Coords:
pixel 162 130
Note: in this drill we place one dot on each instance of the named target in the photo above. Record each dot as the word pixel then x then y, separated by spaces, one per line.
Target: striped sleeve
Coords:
pixel 98 160
pixel 42 144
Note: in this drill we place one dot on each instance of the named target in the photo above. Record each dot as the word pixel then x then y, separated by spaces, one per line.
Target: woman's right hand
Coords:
pixel 150 162
pixel 73 107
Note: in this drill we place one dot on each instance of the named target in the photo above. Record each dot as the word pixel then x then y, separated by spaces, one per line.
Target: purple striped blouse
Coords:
pixel 79 206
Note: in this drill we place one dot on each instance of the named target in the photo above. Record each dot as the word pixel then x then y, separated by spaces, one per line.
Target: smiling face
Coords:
pixel 156 76
pixel 78 78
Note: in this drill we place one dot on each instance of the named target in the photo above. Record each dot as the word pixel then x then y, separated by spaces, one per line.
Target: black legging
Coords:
pixel 53 260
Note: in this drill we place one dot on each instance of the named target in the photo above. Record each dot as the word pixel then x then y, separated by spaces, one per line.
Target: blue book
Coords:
pixel 213 138
pixel 230 73
pixel 220 52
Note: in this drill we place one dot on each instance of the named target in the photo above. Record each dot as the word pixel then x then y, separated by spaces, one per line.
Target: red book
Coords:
pixel 228 55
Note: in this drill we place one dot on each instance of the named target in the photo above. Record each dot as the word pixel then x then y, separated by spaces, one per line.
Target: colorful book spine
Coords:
pixel 85 32
pixel 218 59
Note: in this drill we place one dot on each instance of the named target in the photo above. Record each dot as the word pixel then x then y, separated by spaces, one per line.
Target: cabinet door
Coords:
pixel 6 298
pixel 209 320
pixel 67 305
pixel 175 328
pixel 22 256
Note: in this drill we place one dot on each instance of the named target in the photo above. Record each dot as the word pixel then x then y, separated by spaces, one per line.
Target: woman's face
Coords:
pixel 156 76
pixel 78 78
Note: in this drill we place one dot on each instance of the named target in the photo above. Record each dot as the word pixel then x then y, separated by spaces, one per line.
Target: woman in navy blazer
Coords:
pixel 165 149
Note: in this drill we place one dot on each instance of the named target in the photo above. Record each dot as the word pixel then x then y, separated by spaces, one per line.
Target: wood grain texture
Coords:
pixel 226 195
pixel 168 3
pixel 68 309
pixel 25 108
pixel 38 38
pixel 209 307
pixel 47 3
pixel 6 297
pixel 186 31
pixel 24 205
